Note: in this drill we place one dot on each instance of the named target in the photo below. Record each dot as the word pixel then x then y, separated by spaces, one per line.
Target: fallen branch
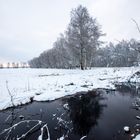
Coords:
pixel 15 125
pixel 42 132
pixel 24 135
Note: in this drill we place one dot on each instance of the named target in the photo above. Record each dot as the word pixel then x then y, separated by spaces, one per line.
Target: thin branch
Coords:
pixel 117 40
pixel 24 135
pixel 10 94
pixel 83 137
pixel 136 25
pixel 15 125
pixel 42 132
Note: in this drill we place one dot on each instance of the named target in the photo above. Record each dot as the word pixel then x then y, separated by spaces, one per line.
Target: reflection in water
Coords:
pixel 84 111
pixel 16 127
pixel 10 121
pixel 133 87
pixel 73 117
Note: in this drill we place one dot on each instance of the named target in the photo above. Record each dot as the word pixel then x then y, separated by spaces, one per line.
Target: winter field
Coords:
pixel 49 84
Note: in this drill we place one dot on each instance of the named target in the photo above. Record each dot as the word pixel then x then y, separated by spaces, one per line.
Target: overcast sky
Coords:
pixel 28 27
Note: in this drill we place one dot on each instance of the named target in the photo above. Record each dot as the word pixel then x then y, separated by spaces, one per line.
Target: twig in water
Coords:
pixel 42 132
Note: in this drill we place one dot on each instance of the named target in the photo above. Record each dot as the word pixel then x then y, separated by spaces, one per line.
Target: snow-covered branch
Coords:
pixel 24 135
pixel 8 130
pixel 42 132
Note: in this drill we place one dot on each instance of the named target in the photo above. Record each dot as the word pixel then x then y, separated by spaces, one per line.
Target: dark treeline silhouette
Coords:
pixel 80 47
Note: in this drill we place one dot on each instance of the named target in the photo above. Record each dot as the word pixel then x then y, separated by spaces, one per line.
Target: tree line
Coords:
pixel 80 47
pixel 123 54
pixel 14 65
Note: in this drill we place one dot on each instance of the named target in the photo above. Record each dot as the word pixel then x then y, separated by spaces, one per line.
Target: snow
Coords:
pixel 83 137
pixel 132 135
pixel 137 137
pixel 61 138
pixel 50 84
pixel 138 117
pixel 126 129
pixel 66 106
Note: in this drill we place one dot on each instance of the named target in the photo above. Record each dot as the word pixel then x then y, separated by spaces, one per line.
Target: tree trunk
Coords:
pixel 81 59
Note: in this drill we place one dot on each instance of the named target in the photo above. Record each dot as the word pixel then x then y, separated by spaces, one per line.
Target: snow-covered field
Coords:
pixel 50 84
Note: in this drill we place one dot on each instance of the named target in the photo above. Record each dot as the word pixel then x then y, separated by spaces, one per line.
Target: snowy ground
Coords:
pixel 49 84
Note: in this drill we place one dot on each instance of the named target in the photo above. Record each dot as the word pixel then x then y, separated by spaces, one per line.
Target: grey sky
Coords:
pixel 28 27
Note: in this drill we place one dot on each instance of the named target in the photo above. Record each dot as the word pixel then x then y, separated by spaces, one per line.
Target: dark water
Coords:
pixel 98 115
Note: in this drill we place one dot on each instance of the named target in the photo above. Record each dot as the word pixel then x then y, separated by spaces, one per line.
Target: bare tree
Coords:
pixel 76 47
pixel 1 66
pixel 13 65
pixel 83 35
pixel 8 65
